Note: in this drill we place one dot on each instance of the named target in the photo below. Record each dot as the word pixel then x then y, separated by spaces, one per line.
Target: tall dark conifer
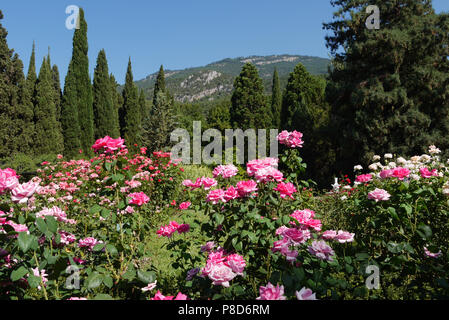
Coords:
pixel 77 110
pixel 117 102
pixel 103 99
pixel 130 118
pixel 58 91
pixel 249 106
pixel 389 87
pixel 159 86
pixel 48 138
pixel 276 100
pixel 11 80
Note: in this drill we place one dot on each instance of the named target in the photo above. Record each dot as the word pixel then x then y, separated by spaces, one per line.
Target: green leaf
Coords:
pixel 98 247
pixel 94 280
pixel 24 241
pixel 146 276
pixel 18 273
pixel 94 209
pixel 117 177
pixel 107 280
pixel 111 249
pixel 41 225
pixel 424 231
pixel 52 224
pixel 393 213
pixel 219 218
pixel 34 281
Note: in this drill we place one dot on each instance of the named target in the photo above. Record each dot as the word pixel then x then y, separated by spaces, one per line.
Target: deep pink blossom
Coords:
pixel 270 292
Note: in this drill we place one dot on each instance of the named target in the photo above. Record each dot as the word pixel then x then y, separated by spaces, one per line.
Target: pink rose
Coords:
pixel 236 263
pixel 216 196
pixel 400 173
pixel 208 183
pixel 220 274
pixel 344 236
pixel 231 193
pixel 426 173
pixel 245 188
pixel 379 195
pixel 184 205
pixel 321 250
pixel 108 144
pixel 305 294
pixel 23 192
pixel 364 178
pixel 138 198
pixel 270 292
pixel 286 189
pixel 386 173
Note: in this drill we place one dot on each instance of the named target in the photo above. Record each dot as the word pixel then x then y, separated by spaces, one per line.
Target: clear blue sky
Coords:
pixel 175 33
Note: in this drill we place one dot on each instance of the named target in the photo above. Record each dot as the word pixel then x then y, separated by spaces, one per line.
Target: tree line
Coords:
pixel 386 92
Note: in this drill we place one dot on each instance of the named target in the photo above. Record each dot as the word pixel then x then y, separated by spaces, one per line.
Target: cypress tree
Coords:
pixel 77 110
pixel 11 80
pixel 26 127
pixel 249 106
pixel 130 118
pixel 144 110
pixel 276 100
pixel 48 131
pixel 103 99
pixel 117 102
pixel 159 86
pixel 160 123
pixel 58 91
pixel 389 87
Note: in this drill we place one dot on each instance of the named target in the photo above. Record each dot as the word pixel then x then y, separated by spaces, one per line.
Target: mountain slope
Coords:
pixel 215 80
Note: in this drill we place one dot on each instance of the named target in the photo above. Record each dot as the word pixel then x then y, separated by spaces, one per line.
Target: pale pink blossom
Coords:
pixel 379 195
pixel 305 294
pixel 270 292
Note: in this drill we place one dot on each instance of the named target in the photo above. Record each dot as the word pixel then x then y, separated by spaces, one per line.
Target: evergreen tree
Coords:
pixel 159 86
pixel 11 81
pixel 219 117
pixel 304 109
pixel 77 110
pixel 144 109
pixel 389 87
pixel 276 100
pixel 160 123
pixel 104 107
pixel 58 91
pixel 117 102
pixel 130 117
pixel 249 108
pixel 48 138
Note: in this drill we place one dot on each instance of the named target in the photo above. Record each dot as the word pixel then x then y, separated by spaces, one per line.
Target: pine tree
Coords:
pixel 104 113
pixel 11 80
pixel 276 100
pixel 249 108
pixel 130 117
pixel 77 110
pixel 389 87
pixel 159 86
pixel 49 138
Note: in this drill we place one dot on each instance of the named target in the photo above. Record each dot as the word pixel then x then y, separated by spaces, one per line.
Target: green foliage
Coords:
pixel 249 108
pixel 77 112
pixel 130 113
pixel 161 121
pixel 276 100
pixel 105 115
pixel 48 139
pixel 388 87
